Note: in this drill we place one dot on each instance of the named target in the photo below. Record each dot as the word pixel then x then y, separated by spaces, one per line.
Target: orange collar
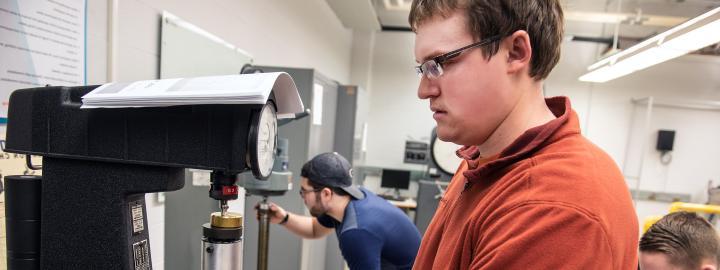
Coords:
pixel 526 144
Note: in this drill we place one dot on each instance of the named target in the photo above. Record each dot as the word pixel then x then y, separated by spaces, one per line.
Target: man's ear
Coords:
pixel 519 51
pixel 326 192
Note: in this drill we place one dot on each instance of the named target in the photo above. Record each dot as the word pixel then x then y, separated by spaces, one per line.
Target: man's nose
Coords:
pixel 428 89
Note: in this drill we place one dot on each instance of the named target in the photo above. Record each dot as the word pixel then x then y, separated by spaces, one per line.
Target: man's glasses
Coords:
pixel 303 191
pixel 433 67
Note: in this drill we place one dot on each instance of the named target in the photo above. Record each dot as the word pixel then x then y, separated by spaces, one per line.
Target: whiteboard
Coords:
pixel 189 51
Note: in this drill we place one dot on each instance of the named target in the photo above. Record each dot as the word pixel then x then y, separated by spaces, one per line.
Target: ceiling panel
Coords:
pixel 394 13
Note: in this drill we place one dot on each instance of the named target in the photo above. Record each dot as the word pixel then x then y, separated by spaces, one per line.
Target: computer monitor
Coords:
pixel 397 179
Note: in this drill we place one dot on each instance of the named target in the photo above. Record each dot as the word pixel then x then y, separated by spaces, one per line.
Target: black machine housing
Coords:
pixel 99 163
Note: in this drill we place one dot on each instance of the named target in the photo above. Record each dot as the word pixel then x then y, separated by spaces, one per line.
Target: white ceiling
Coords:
pixel 394 13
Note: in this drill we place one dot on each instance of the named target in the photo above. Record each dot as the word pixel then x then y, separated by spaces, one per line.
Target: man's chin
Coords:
pixel 444 135
pixel 316 213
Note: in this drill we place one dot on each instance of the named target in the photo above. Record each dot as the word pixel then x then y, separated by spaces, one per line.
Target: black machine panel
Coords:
pixel 48 121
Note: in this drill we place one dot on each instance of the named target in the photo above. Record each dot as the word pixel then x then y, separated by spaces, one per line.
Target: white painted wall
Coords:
pixel 605 113
pixel 396 114
pixel 283 33
pixel 276 32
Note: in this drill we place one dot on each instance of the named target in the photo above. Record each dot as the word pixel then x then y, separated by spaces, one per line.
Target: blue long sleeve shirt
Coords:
pixel 374 233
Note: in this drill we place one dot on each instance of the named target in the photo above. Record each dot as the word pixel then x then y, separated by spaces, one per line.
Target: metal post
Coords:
pixel 264 234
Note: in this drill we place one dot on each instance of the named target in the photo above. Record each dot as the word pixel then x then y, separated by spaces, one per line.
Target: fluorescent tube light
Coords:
pixel 695 34
pixel 696 39
pixel 639 61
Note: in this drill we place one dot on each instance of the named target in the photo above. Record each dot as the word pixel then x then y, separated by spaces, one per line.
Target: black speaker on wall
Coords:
pixel 665 140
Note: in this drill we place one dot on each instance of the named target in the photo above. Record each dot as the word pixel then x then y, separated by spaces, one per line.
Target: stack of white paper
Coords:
pixel 229 89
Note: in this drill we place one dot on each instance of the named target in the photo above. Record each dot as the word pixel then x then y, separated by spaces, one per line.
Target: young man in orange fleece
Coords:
pixel 532 192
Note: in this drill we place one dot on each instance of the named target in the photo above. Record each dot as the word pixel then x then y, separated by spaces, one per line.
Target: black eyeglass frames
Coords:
pixel 433 67
pixel 303 191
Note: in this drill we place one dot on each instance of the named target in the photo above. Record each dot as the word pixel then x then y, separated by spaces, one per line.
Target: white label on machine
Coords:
pixel 137 218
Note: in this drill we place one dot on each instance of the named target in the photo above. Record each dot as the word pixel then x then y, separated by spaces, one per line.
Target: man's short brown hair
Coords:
pixel 541 19
pixel 686 238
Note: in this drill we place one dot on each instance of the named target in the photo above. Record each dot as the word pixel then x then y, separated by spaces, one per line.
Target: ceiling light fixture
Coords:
pixel 692 35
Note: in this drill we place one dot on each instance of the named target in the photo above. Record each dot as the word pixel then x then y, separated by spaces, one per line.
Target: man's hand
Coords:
pixel 306 227
pixel 276 213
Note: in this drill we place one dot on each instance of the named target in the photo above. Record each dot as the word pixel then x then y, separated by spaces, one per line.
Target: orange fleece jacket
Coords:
pixel 550 200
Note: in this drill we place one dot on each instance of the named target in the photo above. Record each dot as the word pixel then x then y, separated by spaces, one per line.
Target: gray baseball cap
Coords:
pixel 332 170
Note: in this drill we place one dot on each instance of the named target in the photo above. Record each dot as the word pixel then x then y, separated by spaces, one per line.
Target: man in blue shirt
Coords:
pixel 372 233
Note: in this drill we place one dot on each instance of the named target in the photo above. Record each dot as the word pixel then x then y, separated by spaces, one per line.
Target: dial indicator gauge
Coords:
pixel 263 141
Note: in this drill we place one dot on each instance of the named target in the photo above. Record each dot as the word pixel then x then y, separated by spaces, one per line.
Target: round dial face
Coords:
pixel 443 154
pixel 266 140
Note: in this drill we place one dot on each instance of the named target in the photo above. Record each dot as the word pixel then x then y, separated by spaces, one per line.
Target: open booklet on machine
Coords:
pixel 228 89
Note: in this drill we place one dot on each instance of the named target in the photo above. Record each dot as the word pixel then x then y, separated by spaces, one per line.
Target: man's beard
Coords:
pixel 318 209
